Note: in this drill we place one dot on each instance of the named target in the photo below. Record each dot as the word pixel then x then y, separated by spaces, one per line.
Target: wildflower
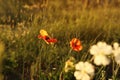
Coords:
pixel 44 35
pixel 101 52
pixel 43 32
pixel 69 64
pixel 116 52
pixel 75 44
pixel 84 71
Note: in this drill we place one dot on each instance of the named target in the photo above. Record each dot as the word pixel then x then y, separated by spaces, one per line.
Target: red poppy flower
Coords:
pixel 47 39
pixel 75 44
pixel 44 35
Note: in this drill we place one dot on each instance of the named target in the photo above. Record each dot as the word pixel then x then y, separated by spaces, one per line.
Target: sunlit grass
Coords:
pixel 28 57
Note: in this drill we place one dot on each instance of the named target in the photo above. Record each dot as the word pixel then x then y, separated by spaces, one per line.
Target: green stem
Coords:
pixel 115 72
pixel 114 69
pixel 113 66
pixel 91 59
pixel 23 71
pixel 69 52
pixel 61 75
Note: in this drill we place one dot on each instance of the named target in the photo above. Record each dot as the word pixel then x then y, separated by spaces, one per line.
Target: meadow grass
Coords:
pixel 27 57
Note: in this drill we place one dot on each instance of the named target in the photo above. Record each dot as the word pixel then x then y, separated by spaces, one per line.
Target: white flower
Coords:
pixel 84 71
pixel 116 52
pixel 100 52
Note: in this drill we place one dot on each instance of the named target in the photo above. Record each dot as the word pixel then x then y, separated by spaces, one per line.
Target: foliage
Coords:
pixel 27 57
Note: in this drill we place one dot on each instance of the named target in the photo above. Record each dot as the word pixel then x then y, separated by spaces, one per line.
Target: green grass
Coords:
pixel 27 56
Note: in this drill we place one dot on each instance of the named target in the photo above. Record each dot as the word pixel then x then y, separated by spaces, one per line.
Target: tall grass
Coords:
pixel 28 58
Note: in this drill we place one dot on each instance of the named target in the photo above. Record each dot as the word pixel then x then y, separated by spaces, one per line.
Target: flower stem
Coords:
pixel 61 75
pixel 91 59
pixel 115 72
pixel 69 53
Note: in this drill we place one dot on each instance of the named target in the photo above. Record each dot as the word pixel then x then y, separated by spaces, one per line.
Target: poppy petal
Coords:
pixel 52 40
pixel 75 44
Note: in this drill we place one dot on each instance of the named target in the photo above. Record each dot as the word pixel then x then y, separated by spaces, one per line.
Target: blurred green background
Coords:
pixel 25 57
